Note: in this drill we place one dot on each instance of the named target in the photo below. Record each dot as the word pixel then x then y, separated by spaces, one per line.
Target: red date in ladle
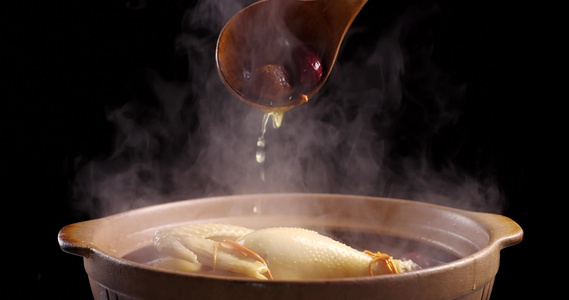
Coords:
pixel 308 66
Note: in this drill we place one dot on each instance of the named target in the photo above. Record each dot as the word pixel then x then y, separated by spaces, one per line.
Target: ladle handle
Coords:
pixel 343 13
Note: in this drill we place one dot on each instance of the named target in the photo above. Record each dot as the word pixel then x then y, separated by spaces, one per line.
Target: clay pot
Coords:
pixel 116 248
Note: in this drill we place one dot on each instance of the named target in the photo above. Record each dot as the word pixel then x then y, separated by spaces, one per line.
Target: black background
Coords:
pixel 66 62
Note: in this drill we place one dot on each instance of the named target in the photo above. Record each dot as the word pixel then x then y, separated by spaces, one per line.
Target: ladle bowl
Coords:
pixel 268 30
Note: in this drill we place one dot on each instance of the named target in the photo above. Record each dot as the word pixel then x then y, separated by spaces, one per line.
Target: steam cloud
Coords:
pixel 367 132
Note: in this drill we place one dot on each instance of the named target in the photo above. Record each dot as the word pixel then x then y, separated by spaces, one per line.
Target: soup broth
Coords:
pixel 424 255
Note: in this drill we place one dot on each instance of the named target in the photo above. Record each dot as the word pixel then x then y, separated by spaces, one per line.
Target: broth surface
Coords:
pixel 421 253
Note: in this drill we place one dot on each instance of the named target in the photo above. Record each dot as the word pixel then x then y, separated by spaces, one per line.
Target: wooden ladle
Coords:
pixel 267 31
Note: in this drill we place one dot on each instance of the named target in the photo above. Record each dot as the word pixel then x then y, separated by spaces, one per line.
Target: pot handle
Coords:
pixel 77 238
pixel 504 232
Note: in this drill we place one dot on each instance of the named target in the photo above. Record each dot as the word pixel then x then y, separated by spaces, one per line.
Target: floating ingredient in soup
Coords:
pixel 281 253
pixel 420 259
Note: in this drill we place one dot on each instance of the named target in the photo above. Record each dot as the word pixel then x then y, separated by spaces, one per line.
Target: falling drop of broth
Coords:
pixel 277 119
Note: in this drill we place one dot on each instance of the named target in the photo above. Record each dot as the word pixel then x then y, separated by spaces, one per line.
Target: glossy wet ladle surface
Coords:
pixel 268 31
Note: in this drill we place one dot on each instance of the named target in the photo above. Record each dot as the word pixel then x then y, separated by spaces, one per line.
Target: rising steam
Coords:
pixel 367 132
